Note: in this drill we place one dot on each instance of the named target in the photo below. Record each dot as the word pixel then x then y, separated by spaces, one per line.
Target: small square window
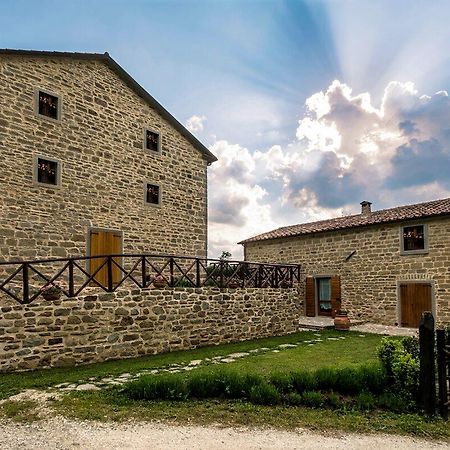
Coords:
pixel 152 140
pixel 47 171
pixel 48 105
pixel 414 239
pixel 152 194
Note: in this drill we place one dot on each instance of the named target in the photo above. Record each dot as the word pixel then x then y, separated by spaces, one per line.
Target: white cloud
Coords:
pixel 346 150
pixel 195 124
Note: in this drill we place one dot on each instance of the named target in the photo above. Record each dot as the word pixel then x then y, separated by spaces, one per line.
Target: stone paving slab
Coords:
pixel 386 329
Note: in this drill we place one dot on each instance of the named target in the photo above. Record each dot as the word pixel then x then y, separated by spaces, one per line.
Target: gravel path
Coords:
pixel 59 433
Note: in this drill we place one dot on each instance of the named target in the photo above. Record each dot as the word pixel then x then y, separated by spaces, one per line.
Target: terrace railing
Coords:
pixel 24 280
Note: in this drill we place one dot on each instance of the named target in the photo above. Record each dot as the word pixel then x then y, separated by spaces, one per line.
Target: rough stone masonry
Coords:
pixel 132 323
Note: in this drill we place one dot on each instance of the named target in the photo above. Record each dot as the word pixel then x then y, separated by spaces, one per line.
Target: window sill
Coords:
pixel 414 252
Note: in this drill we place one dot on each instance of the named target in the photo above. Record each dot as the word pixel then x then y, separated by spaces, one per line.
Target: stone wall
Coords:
pixel 369 278
pixel 132 323
pixel 99 141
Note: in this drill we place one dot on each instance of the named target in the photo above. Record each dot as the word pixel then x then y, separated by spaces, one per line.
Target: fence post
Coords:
pixel 221 273
pixel 25 284
pixel 144 273
pixel 110 274
pixel 197 269
pixel 427 378
pixel 171 266
pixel 442 373
pixel 71 281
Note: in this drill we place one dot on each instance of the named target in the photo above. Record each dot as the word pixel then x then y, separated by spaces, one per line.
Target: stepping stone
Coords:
pixel 317 334
pixel 228 360
pixel 264 349
pixel 255 350
pixel 124 375
pixel 195 362
pixel 275 351
pixel 361 335
pixel 187 368
pixel 333 339
pixel 237 355
pixel 310 344
pixel 61 385
pixel 87 387
pixel 287 345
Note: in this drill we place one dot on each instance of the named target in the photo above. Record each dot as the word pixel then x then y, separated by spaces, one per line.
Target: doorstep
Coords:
pixel 322 323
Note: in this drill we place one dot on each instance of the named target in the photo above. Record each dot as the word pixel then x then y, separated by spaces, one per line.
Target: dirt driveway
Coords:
pixel 59 433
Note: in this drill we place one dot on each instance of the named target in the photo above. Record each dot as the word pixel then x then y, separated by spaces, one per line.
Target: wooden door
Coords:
pixel 415 298
pixel 105 243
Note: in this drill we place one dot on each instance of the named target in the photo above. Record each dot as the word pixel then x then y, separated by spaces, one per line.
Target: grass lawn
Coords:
pixel 354 350
pixel 110 406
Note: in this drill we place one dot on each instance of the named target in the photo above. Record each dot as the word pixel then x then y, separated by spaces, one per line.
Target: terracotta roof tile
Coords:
pixel 408 212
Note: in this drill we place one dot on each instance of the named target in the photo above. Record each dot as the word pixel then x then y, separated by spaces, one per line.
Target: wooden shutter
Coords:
pixel 105 243
pixel 310 297
pixel 335 295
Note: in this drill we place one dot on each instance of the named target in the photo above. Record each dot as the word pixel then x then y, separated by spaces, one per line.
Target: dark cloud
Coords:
pixel 408 127
pixel 228 210
pixel 420 162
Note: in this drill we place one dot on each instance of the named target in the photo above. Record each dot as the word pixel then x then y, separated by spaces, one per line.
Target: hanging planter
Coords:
pixel 159 282
pixel 51 292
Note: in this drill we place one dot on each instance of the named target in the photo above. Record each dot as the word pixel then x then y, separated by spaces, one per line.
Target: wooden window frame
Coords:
pixel 59 167
pixel 144 143
pixel 152 205
pixel 58 110
pixel 425 239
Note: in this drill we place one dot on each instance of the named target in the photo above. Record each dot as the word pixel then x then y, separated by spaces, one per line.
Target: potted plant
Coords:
pixel 341 321
pixel 159 281
pixel 233 283
pixel 51 292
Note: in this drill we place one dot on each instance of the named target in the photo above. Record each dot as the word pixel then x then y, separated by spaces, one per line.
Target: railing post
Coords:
pixel 71 281
pixel 110 273
pixel 221 273
pixel 171 266
pixel 25 284
pixel 427 376
pixel 259 277
pixel 197 269
pixel 442 373
pixel 144 273
pixel 276 280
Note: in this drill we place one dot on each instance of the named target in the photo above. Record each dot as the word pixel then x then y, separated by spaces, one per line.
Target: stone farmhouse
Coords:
pixel 384 266
pixel 91 163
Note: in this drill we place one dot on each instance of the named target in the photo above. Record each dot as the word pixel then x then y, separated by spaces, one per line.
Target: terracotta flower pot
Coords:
pixel 52 296
pixel 342 322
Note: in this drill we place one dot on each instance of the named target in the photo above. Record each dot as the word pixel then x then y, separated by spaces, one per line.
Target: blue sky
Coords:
pixel 254 80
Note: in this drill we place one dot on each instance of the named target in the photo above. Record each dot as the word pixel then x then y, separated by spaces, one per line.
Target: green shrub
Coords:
pixel 326 378
pixel 294 399
pixel 204 386
pixel 350 381
pixel 394 403
pixel 401 363
pixel 365 401
pixel 313 399
pixel 334 400
pixel 161 387
pixel 283 382
pixel 303 381
pixel 374 378
pixel 264 394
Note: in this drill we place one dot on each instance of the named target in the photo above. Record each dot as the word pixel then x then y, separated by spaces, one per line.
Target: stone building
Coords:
pixel 91 163
pixel 384 266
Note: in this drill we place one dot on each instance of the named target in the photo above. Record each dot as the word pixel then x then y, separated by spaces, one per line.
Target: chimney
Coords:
pixel 365 208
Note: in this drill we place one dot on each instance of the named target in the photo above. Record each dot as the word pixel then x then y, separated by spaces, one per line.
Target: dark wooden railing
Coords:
pixel 23 280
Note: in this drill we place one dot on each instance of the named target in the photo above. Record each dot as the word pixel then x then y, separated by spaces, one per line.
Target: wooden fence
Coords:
pixel 24 281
